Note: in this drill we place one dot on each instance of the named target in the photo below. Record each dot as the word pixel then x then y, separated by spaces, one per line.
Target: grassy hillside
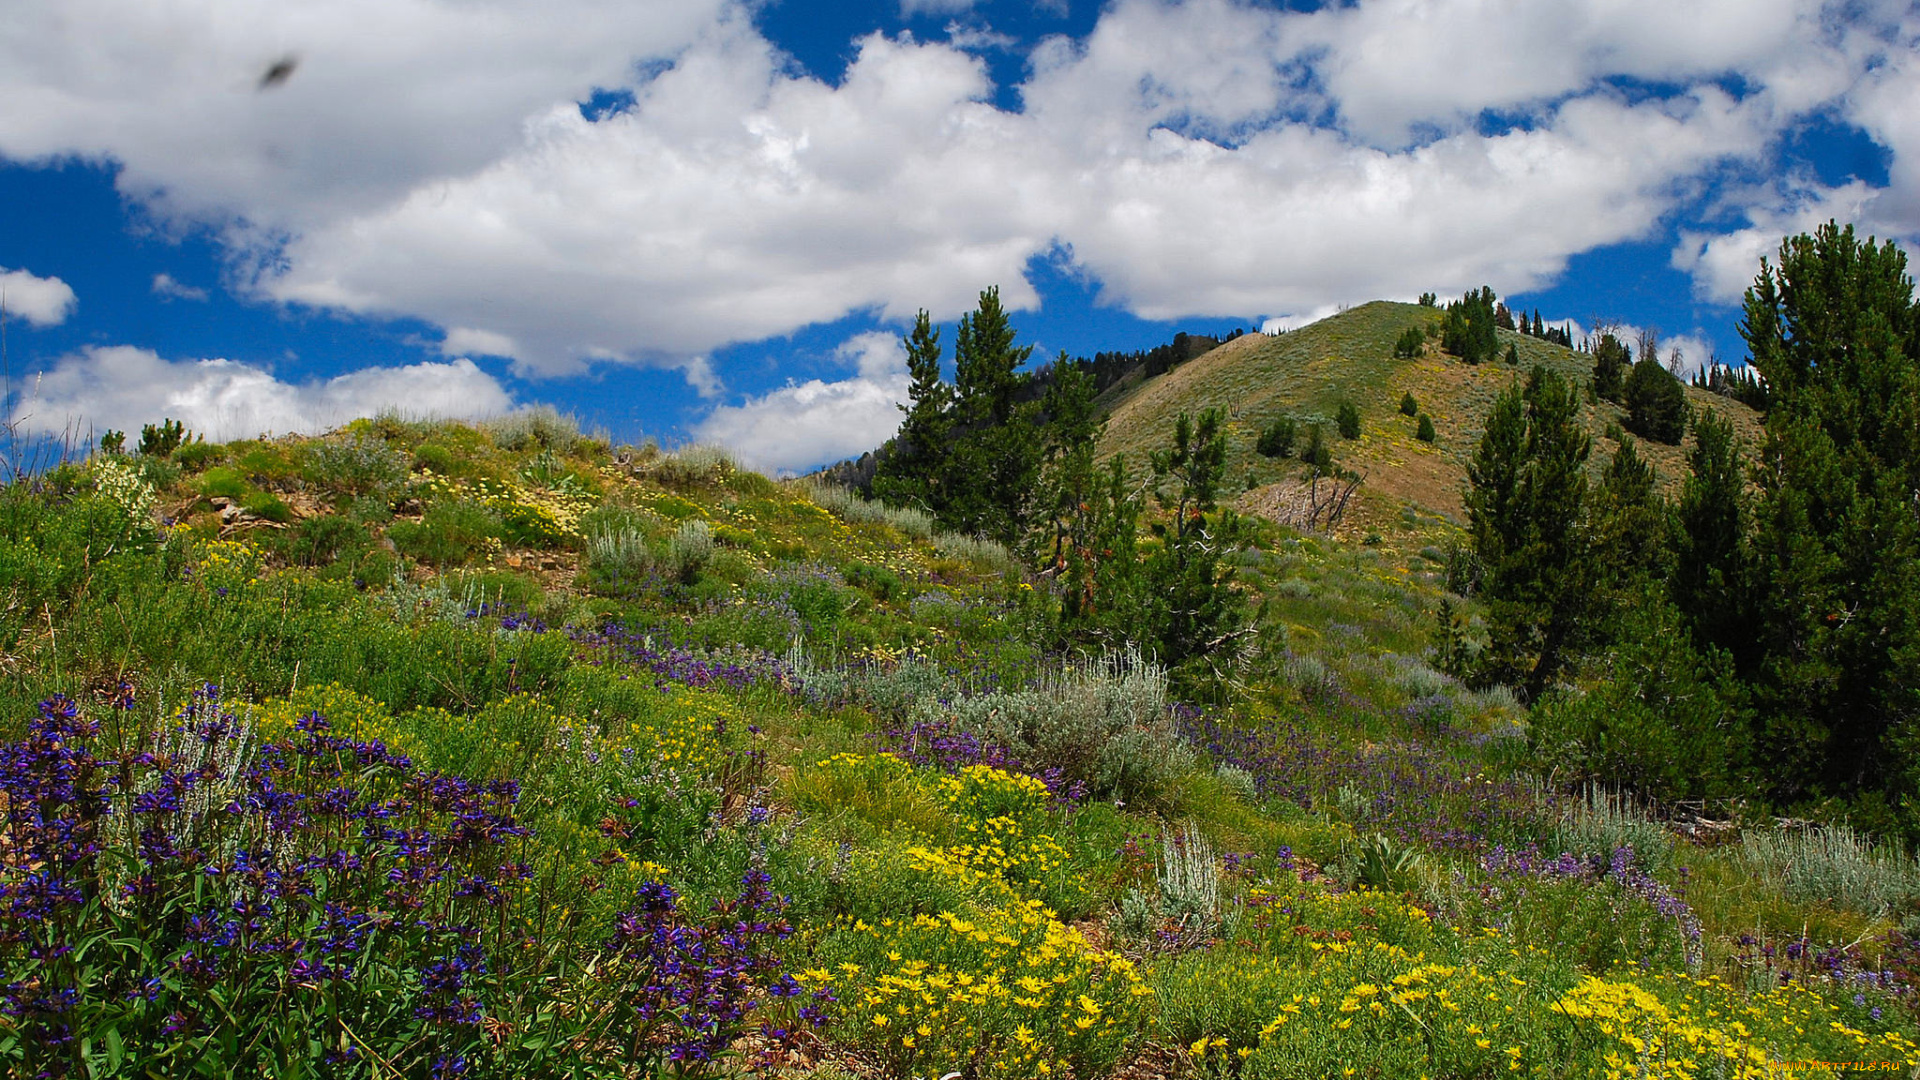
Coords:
pixel 430 750
pixel 1307 373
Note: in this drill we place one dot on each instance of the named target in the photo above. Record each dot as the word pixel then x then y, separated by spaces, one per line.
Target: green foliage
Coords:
pixel 996 437
pixel 435 458
pixel 913 471
pixel 1656 403
pixel 1470 330
pixel 1411 342
pixel 1347 420
pixel 1408 406
pixel 268 506
pixel 226 482
pixel 163 440
pixel 1660 718
pixel 1198 617
pixel 113 442
pixel 1317 453
pixel 1425 432
pixel 1834 331
pixel 449 534
pixel 1525 506
pixel 1710 525
pixel 197 455
pixel 1611 358
pixel 1427 299
pixel 355 465
pixel 1276 439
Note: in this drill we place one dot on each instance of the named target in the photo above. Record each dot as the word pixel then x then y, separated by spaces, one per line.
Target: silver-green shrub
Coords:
pixel 1834 865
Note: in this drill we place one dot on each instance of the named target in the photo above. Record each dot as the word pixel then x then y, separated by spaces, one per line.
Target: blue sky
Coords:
pixel 700 219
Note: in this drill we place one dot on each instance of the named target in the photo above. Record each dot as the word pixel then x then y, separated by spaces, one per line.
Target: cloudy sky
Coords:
pixel 703 219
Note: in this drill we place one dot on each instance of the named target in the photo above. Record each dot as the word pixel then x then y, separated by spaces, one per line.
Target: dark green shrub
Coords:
pixel 1409 344
pixel 266 465
pixel 1317 453
pixel 1426 433
pixel 1513 355
pixel 163 440
pixel 1611 358
pixel 449 534
pixel 1656 403
pixel 1408 406
pixel 1276 439
pixel 1347 420
pixel 879 582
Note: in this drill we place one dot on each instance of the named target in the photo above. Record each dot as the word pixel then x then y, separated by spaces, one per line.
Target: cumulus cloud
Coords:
pixel 799 427
pixel 41 301
pixel 121 387
pixel 1195 157
pixel 166 287
pixel 467 341
pixel 387 95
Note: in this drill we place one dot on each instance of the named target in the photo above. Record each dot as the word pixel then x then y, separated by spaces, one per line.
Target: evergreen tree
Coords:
pixel 1347 420
pixel 1629 523
pixel 915 472
pixel 1526 505
pixel 1513 355
pixel 1835 334
pixel 1317 453
pixel 1425 433
pixel 1068 473
pixel 996 440
pixel 1610 361
pixel 1656 403
pixel 1408 406
pixel 1469 331
pixel 1276 439
pixel 1709 538
pixel 1409 344
pixel 1199 611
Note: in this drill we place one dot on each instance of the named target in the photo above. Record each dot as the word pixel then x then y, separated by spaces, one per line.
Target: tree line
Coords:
pixel 1761 632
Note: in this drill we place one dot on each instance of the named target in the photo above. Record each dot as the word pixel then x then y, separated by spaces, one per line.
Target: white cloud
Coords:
pixel 42 301
pixel 1195 157
pixel 467 341
pixel 798 427
pixel 167 288
pixel 386 95
pixel 121 387
pixel 734 201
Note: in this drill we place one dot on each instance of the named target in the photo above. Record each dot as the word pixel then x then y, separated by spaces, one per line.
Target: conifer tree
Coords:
pixel 1610 361
pixel 1198 609
pixel 915 472
pixel 1656 402
pixel 1709 542
pixel 1835 333
pixel 1526 504
pixel 996 444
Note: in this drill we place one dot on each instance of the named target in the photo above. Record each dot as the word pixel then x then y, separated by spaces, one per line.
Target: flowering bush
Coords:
pixel 1005 992
pixel 154 907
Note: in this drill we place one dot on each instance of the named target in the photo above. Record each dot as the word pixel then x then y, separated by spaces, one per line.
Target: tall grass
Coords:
pixel 844 504
pixel 1835 865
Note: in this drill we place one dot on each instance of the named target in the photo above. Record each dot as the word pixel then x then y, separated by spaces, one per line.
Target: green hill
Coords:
pixel 1309 372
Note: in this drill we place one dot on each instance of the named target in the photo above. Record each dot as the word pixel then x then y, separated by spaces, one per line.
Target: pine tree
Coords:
pixel 915 472
pixel 1629 523
pixel 1425 432
pixel 1199 610
pixel 1408 406
pixel 1526 505
pixel 996 443
pixel 1347 420
pixel 1835 333
pixel 1610 361
pixel 1709 541
pixel 1656 403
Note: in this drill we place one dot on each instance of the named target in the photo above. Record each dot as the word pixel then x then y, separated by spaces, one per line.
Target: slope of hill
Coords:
pixel 534 757
pixel 1308 373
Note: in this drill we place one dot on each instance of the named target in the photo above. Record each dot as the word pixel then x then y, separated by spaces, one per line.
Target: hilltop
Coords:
pixel 1307 373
